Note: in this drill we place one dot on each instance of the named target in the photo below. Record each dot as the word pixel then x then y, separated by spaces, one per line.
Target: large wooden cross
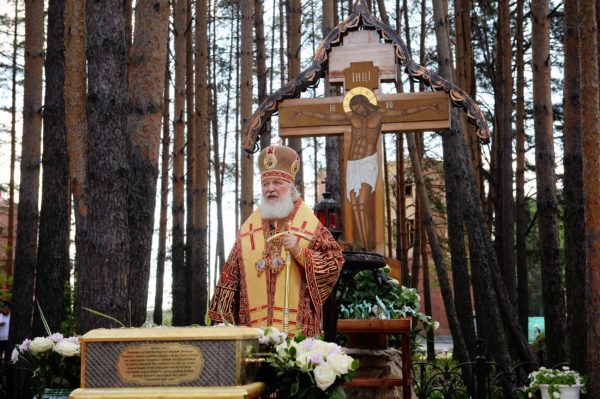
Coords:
pixel 361 115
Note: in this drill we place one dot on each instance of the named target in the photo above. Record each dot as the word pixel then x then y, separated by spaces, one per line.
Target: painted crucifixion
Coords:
pixel 361 115
pixel 365 118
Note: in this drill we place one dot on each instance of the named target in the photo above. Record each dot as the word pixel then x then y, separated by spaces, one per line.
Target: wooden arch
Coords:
pixel 360 18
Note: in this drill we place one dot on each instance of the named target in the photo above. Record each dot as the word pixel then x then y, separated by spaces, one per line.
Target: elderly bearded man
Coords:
pixel 251 288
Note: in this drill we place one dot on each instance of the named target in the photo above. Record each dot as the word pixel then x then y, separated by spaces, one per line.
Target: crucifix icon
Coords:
pixel 361 116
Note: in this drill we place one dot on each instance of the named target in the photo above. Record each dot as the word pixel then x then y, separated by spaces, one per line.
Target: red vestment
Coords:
pixel 243 297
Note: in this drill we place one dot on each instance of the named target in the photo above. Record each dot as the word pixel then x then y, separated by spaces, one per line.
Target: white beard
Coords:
pixel 281 209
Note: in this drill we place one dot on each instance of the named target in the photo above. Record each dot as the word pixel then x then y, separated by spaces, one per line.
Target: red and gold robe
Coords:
pixel 245 298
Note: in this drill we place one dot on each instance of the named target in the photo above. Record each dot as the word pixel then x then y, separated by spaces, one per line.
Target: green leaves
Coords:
pixel 375 294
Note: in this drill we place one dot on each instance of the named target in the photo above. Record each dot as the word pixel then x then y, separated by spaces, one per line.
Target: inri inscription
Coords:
pixel 160 364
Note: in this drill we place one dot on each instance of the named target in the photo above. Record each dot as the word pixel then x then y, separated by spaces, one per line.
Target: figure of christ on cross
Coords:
pixel 362 168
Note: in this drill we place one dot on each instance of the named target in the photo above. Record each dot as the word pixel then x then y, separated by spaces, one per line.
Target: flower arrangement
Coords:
pixel 305 368
pixel 54 360
pixel 554 378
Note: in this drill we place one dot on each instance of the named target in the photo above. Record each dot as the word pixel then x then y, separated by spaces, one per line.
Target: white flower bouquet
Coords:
pixel 54 360
pixel 554 379
pixel 305 368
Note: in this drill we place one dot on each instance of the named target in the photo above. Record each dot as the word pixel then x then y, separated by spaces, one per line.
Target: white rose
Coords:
pixel 339 362
pixel 303 360
pixel 41 344
pixel 66 348
pixel 323 348
pixel 324 375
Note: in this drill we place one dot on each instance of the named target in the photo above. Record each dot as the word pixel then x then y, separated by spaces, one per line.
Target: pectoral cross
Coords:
pixel 361 116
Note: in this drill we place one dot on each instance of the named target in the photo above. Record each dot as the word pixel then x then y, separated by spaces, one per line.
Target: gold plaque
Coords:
pixel 161 363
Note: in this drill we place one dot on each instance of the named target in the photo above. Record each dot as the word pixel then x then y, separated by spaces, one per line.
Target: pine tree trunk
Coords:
pixel 76 120
pixel 416 237
pixel 282 40
pixel 427 218
pixel 333 154
pixel 383 12
pixel 191 189
pixel 157 317
pixel 487 303
pixel 422 252
pixel 505 203
pixel 552 287
pixel 220 161
pixel 200 268
pixel 247 164
pixel 27 210
pixel 294 15
pixel 238 128
pixel 147 64
pixel 465 78
pixel 178 250
pixel 459 264
pixel 462 291
pixel 53 247
pixel 388 205
pixel 104 272
pixel 261 67
pixel 218 168
pixel 521 203
pixel 10 233
pixel 574 214
pixel 401 226
pixel 590 120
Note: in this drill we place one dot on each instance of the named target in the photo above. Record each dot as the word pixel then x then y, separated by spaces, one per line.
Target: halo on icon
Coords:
pixel 363 91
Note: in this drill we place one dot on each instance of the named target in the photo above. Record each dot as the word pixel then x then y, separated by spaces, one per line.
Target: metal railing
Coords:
pixel 445 379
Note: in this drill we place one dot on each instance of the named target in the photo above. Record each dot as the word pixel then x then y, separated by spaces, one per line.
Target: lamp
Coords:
pixel 328 213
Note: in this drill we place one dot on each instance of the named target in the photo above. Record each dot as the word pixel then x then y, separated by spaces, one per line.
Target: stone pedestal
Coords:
pixel 380 371
pixel 385 364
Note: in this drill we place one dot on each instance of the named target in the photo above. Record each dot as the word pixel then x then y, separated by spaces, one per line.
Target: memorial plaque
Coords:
pixel 160 363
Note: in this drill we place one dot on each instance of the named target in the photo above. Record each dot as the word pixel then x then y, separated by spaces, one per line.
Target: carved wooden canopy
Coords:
pixel 360 19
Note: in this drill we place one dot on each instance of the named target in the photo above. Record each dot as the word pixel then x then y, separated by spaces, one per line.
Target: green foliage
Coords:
pixel 374 294
pixel 4 282
pixel 69 323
